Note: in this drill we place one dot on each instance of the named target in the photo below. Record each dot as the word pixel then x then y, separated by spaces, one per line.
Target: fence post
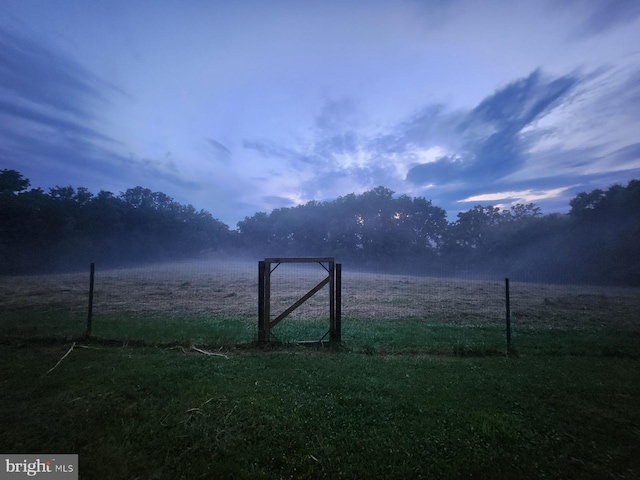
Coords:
pixel 92 271
pixel 337 334
pixel 262 334
pixel 508 314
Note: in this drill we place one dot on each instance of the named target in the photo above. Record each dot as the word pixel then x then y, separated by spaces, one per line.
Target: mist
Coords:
pixel 68 228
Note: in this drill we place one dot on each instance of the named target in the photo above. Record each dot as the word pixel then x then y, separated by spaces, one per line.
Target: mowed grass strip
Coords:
pixel 160 413
pixel 400 336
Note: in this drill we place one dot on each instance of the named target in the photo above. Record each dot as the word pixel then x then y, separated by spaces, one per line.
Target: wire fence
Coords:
pixel 217 301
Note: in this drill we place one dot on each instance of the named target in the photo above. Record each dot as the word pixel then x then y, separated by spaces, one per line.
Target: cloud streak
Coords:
pixel 607 15
pixel 492 141
pixel 522 196
pixel 33 73
pixel 50 109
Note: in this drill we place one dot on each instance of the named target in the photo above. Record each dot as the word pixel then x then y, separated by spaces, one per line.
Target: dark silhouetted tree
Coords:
pixel 12 182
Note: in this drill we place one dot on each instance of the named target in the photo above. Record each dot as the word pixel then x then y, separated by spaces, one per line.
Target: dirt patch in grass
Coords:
pixel 230 289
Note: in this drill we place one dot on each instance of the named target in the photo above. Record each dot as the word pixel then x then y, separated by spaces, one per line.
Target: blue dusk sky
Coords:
pixel 245 106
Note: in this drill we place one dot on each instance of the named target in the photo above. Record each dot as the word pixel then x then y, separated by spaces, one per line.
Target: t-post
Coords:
pixel 92 271
pixel 508 314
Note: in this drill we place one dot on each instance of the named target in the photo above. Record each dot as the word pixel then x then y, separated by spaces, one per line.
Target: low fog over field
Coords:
pixel 229 289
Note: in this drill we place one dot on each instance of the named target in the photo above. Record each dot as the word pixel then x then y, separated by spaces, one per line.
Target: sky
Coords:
pixel 243 106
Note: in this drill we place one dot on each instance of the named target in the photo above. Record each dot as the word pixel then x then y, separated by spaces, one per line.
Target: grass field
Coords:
pixel 420 387
pixel 229 289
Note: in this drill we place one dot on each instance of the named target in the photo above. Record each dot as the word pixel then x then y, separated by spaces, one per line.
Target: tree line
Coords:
pixel 595 242
pixel 67 228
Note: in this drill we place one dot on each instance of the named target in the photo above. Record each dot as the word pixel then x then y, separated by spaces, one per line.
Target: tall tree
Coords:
pixel 12 182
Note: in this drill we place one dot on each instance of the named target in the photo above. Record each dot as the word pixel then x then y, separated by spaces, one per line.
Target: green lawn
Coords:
pixel 410 336
pixel 399 400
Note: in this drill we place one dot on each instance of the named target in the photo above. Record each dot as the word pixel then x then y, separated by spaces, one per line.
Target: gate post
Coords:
pixel 262 332
pixel 336 330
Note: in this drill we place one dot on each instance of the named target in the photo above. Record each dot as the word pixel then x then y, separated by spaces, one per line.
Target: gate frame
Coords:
pixel 334 279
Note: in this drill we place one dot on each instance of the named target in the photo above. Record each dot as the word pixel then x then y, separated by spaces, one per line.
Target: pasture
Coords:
pixel 421 386
pixel 157 302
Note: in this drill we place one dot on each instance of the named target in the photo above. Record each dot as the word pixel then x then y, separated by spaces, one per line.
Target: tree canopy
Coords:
pixel 70 227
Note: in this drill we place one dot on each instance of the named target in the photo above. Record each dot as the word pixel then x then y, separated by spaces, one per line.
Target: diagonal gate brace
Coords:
pixel 334 280
pixel 306 297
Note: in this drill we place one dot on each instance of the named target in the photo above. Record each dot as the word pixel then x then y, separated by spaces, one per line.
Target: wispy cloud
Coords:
pixel 491 136
pixel 605 15
pixel 48 106
pixel 269 149
pixel 51 112
pixel 522 196
pixel 49 120
pixel 220 152
pixel 33 73
pixel 337 115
